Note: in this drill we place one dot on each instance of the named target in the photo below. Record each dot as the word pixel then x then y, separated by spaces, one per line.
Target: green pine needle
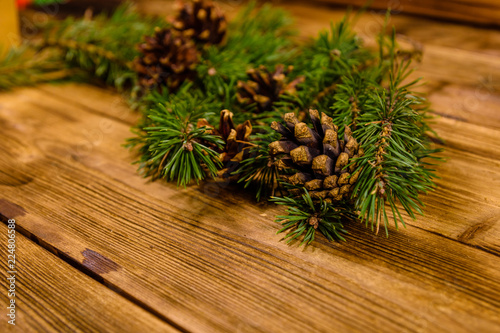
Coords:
pixel 171 145
pixel 104 45
pixel 368 90
pixel 305 217
pixel 258 167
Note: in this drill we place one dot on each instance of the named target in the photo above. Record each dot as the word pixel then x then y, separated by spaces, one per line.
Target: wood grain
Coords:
pixel 472 11
pixel 207 258
pixel 52 296
pixel 178 256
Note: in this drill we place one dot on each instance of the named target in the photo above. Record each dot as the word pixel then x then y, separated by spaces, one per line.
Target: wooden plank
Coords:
pixel 461 153
pixel 212 252
pixel 470 194
pixel 477 105
pixel 472 11
pixel 79 191
pixel 478 100
pixel 309 19
pixel 52 296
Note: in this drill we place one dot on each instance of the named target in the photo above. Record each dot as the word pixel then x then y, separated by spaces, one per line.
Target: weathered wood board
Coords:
pixel 472 11
pixel 207 259
pixel 52 296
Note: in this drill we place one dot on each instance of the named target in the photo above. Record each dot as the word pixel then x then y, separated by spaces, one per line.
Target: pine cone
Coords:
pixel 317 155
pixel 168 60
pixel 264 88
pixel 202 21
pixel 235 138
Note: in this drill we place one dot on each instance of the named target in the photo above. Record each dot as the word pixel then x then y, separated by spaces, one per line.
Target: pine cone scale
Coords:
pixel 263 88
pixel 202 21
pixel 319 157
pixel 167 59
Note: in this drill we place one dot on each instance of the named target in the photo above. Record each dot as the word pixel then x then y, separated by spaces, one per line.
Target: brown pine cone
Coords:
pixel 202 21
pixel 168 59
pixel 264 88
pixel 236 138
pixel 317 155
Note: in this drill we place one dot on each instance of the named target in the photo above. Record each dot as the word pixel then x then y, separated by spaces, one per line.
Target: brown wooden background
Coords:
pixel 104 250
pixel 484 12
pixel 472 11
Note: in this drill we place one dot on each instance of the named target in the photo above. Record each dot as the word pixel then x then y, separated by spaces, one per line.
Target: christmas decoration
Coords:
pixel 341 137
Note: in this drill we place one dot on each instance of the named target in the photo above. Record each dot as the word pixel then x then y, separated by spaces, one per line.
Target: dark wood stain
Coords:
pixel 10 209
pixel 98 263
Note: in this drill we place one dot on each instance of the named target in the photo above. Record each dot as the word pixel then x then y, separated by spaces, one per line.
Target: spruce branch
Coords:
pixel 363 149
pixel 24 66
pixel 173 147
pixel 351 96
pixel 305 217
pixel 259 168
pixel 103 46
pixel 256 37
pixel 324 61
pixel 390 171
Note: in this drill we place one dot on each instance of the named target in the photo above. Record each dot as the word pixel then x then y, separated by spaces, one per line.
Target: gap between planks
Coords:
pixel 52 296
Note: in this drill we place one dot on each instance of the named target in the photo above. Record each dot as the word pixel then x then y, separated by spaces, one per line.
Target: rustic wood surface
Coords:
pixel 472 11
pixel 207 259
pixel 52 296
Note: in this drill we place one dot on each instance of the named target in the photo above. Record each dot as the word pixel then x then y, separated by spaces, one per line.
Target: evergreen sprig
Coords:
pixel 305 217
pixel 390 133
pixel 173 147
pixel 367 90
pixel 103 45
pixel 256 37
pixel 23 66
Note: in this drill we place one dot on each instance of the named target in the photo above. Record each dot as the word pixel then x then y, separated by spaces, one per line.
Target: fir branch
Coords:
pixel 256 37
pixel 367 92
pixel 24 66
pixel 305 217
pixel 352 95
pixel 104 46
pixel 173 147
pixel 334 54
pixel 259 168
pixel 390 134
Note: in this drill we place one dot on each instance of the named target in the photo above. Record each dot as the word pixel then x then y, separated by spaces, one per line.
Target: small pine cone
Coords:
pixel 264 88
pixel 236 138
pixel 317 155
pixel 168 59
pixel 202 21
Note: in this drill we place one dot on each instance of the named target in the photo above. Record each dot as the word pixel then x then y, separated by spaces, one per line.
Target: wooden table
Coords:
pixel 102 249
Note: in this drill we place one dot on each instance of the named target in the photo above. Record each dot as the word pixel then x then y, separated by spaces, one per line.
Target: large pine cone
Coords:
pixel 264 88
pixel 202 21
pixel 318 156
pixel 168 60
